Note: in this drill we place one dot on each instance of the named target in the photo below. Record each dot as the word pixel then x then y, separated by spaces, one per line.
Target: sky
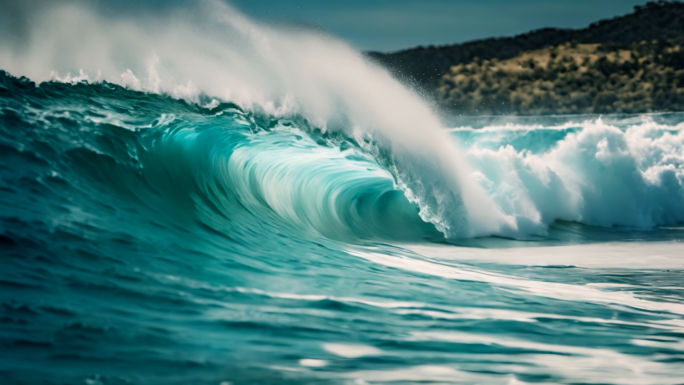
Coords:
pixel 375 25
pixel 389 25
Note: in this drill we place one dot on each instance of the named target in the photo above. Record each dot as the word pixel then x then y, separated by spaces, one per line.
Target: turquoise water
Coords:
pixel 199 198
pixel 149 240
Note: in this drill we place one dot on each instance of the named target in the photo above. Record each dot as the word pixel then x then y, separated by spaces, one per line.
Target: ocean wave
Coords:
pixel 336 146
pixel 211 201
pixel 220 162
pixel 232 170
pixel 214 52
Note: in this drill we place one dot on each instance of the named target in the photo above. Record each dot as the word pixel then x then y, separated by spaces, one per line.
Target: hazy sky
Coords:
pixel 383 25
pixel 395 24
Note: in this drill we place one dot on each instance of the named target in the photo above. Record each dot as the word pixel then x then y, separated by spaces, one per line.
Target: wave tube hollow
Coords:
pixel 213 51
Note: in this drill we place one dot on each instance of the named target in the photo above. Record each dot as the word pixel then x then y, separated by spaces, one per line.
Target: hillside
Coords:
pixel 424 67
pixel 570 78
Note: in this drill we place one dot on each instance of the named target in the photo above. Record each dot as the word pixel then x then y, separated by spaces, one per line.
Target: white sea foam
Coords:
pixel 601 175
pixel 623 255
pixel 313 363
pixel 577 364
pixel 352 350
pixel 555 290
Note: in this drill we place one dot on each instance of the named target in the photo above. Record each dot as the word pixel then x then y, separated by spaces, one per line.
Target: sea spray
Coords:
pixel 214 50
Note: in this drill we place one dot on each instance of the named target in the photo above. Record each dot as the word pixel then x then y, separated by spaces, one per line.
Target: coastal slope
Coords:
pixel 629 63
pixel 570 79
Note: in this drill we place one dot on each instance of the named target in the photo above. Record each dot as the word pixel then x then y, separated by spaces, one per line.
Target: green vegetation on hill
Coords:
pixel 597 79
pixel 570 78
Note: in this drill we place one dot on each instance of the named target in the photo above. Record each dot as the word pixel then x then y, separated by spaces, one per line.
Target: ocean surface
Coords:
pixel 306 219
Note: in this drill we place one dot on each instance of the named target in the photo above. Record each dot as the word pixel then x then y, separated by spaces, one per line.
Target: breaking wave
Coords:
pixel 200 198
pixel 600 175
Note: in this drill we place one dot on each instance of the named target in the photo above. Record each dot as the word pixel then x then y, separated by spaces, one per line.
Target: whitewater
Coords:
pixel 196 197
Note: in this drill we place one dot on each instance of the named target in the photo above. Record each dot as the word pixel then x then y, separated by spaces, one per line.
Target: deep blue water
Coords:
pixel 151 240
